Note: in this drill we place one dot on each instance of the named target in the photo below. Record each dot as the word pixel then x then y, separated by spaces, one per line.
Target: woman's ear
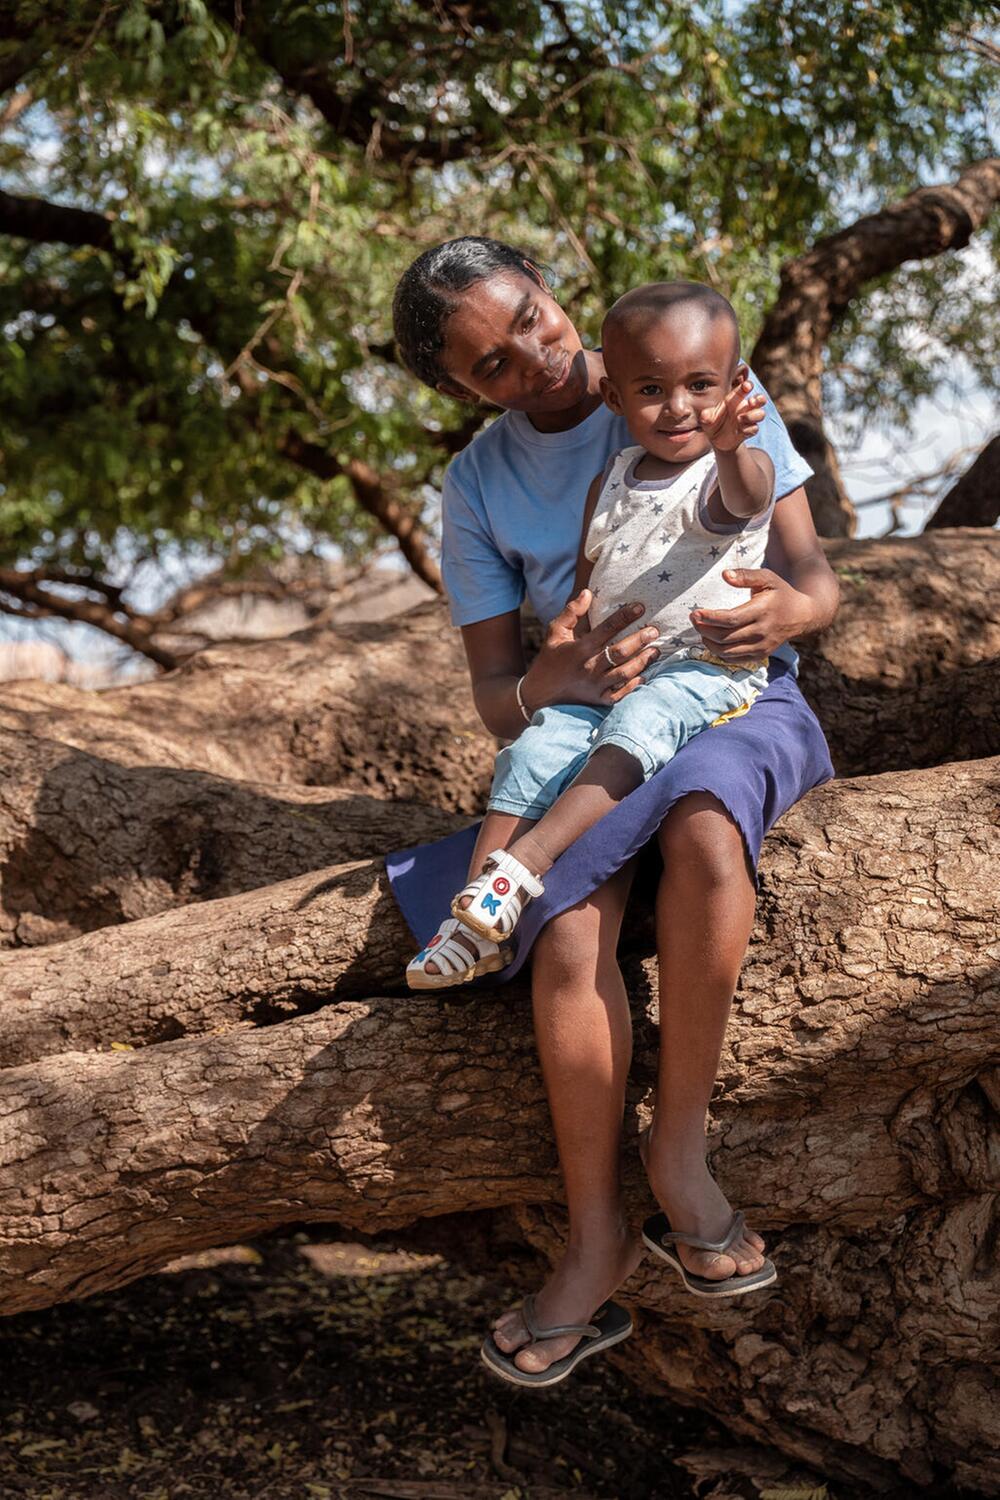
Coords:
pixel 609 392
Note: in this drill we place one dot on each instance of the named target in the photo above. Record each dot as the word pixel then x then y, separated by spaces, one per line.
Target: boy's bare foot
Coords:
pixel 693 1202
pixel 584 1279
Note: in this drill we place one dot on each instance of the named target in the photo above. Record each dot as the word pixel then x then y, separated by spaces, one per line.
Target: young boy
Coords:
pixel 660 525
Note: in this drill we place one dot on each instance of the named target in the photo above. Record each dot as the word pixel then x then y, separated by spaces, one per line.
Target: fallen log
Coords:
pixel 856 1113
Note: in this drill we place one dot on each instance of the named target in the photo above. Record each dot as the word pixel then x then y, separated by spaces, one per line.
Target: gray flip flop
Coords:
pixel 658 1236
pixel 611 1325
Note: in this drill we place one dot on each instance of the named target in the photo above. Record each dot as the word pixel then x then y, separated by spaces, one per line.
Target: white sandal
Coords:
pixel 495 900
pixel 455 963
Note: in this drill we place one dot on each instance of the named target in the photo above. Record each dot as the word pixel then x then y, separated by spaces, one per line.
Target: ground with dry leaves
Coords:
pixel 300 1369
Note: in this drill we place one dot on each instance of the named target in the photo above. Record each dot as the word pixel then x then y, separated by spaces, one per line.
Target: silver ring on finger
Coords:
pixel 609 658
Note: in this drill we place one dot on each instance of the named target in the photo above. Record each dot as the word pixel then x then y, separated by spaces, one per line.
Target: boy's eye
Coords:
pixel 650 390
pixel 701 385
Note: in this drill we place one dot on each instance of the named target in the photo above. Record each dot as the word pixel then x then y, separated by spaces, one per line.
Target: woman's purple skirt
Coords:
pixel 757 766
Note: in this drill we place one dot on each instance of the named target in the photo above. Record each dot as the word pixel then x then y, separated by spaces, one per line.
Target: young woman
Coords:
pixel 475 319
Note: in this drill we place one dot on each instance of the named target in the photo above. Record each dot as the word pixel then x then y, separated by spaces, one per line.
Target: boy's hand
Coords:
pixel 735 419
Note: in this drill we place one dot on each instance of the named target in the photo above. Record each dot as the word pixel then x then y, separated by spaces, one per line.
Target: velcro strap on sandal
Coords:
pixel 531 1323
pixel 517 872
pixel 678 1237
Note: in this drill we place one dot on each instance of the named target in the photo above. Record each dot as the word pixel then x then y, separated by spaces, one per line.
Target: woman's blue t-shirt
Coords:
pixel 513 502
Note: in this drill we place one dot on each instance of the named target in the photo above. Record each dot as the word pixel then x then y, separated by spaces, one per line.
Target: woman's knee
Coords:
pixel 580 942
pixel 699 838
pixel 570 944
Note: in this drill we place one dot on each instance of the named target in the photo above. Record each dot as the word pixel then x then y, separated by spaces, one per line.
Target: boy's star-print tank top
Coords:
pixel 652 542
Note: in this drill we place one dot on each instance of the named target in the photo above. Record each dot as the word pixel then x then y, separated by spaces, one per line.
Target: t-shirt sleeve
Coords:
pixel 478 579
pixel 790 468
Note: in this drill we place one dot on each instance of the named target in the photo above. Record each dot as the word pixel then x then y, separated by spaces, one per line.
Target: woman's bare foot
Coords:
pixel 693 1202
pixel 586 1277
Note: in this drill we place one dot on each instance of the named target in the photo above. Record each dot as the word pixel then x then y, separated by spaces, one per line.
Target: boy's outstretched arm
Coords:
pixel 746 475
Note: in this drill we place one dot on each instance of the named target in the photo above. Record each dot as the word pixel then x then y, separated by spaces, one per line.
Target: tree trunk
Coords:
pixel 86 841
pixel 816 290
pixel 907 676
pixel 323 707
pixel 856 1113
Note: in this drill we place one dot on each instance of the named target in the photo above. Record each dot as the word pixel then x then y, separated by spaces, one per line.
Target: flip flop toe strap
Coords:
pixel 531 1323
pixel 678 1237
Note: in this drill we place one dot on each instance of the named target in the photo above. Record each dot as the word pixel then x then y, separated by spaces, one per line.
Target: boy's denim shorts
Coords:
pixel 676 701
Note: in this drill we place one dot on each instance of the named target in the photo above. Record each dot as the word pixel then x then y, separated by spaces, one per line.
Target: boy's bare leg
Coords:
pixel 608 776
pixel 584 1034
pixel 704 916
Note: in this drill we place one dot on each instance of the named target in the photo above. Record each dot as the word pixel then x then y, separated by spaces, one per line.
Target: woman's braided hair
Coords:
pixel 429 291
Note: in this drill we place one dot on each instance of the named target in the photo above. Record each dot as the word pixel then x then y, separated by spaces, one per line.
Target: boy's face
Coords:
pixel 663 374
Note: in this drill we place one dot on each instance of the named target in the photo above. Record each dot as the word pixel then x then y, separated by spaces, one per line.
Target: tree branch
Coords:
pixel 817 288
pixel 29 595
pixel 375 493
pixel 974 500
pixel 36 219
pixel 366 115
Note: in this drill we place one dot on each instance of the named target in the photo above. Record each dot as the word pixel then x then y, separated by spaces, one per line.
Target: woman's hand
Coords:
pixel 576 668
pixel 775 613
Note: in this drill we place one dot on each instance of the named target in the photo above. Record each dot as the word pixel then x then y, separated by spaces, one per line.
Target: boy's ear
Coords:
pixel 740 374
pixel 611 398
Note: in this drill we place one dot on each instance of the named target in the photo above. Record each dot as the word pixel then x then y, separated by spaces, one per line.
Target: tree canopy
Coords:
pixel 206 206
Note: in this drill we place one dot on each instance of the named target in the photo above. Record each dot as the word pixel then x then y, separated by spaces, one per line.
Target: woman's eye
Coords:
pixel 531 319
pixel 495 371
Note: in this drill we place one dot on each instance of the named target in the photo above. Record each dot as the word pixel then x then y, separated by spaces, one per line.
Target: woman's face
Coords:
pixel 510 342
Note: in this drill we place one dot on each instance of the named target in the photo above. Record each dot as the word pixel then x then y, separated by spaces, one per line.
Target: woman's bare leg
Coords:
pixel 704 916
pixel 583 1031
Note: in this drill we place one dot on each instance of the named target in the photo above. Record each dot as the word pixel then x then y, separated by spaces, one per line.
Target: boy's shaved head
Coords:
pixel 634 314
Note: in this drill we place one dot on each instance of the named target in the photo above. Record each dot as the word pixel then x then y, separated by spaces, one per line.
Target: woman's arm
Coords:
pixel 568 669
pixel 797 596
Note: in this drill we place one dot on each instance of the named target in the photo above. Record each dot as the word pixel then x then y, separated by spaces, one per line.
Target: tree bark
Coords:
pixel 86 842
pixel 974 499
pixel 816 289
pixel 907 676
pixel 320 708
pixel 855 1113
